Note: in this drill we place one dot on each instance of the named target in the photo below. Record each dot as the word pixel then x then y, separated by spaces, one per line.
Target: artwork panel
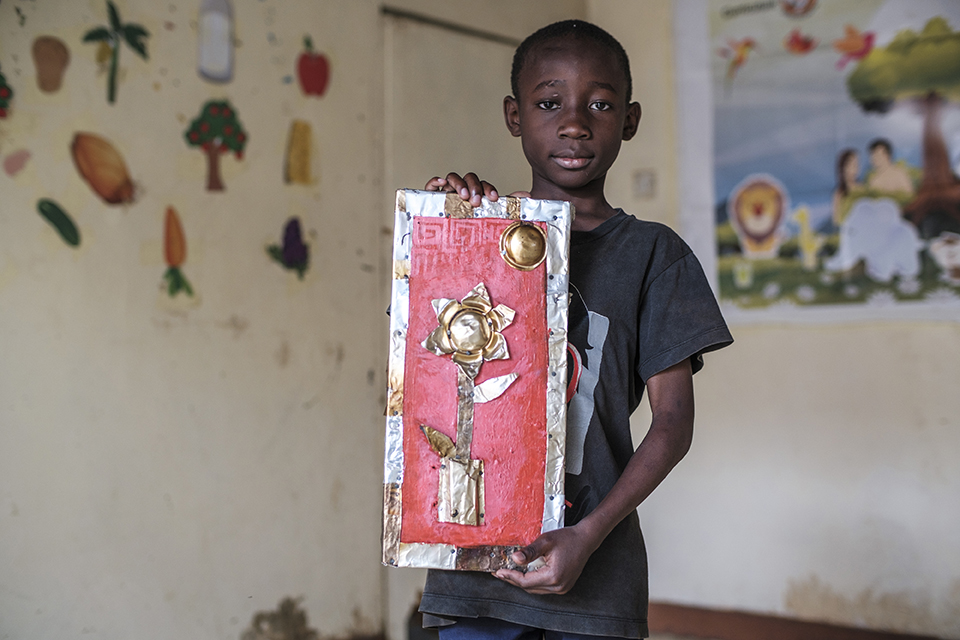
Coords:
pixel 474 454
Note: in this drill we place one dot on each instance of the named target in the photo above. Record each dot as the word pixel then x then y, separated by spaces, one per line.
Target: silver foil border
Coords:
pixel 557 215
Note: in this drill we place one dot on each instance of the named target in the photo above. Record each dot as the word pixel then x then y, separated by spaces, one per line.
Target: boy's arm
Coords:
pixel 565 551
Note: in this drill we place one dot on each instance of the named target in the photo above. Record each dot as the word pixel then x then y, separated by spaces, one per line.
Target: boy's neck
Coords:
pixel 591 206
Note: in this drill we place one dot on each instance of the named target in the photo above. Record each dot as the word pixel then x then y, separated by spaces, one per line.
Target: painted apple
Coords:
pixel 313 70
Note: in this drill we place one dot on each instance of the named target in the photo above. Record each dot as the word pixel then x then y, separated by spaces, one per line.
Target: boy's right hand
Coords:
pixel 470 187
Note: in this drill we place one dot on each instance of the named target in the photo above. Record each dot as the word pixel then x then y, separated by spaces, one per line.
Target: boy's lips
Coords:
pixel 571 161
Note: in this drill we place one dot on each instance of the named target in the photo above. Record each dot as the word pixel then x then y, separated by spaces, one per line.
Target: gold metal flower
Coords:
pixel 470 329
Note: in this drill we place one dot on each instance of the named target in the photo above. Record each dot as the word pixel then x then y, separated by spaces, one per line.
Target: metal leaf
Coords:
pixel 492 388
pixel 503 316
pixel 441 443
pixel 496 349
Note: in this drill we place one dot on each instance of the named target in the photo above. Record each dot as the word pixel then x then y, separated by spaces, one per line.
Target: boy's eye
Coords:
pixel 599 105
pixel 547 105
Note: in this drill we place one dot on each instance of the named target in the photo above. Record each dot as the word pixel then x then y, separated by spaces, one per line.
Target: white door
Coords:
pixel 444 96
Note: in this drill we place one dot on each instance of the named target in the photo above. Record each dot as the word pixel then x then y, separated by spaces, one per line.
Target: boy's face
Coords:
pixel 571 115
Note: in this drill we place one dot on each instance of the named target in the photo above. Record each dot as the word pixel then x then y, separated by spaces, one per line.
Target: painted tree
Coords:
pixel 922 69
pixel 216 131
pixel 112 36
pixel 6 95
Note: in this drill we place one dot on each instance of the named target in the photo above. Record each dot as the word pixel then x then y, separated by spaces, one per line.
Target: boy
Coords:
pixel 641 307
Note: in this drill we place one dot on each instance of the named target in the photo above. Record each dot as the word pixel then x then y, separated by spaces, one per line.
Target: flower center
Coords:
pixel 469 330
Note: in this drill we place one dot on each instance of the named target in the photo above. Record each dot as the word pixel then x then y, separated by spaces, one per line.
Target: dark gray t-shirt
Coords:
pixel 639 304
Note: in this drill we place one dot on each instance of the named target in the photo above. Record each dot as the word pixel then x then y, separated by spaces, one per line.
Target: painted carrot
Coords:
pixel 175 253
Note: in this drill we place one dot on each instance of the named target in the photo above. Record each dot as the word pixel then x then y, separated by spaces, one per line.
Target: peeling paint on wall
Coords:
pixel 904 611
pixel 288 622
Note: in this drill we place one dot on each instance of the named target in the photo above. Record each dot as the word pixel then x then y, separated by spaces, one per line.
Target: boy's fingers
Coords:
pixel 474 189
pixel 456 184
pixel 536 549
pixel 435 183
pixel 541 582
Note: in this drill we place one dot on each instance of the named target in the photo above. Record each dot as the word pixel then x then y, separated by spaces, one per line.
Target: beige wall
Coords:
pixel 823 479
pixel 169 467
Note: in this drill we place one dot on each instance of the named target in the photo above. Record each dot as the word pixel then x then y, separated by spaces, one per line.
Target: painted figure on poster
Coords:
pixel 737 51
pixel 875 235
pixel 885 175
pixel 922 70
pixel 854 45
pixel 799 44
pixel 848 187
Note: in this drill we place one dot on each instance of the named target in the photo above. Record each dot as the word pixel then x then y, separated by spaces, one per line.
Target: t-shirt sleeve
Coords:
pixel 679 318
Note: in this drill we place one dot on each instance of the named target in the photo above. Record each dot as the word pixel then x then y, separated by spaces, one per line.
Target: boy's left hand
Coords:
pixel 564 553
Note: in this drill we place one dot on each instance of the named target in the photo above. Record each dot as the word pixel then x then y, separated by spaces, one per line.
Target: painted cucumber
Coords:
pixel 60 221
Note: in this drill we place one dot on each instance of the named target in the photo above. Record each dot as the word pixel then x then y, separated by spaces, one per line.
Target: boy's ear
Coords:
pixel 511 115
pixel 632 121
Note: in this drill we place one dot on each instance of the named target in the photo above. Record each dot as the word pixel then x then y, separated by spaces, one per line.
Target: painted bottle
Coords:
pixel 215 46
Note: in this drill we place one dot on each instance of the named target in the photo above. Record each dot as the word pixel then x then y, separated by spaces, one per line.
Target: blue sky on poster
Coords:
pixel 790 116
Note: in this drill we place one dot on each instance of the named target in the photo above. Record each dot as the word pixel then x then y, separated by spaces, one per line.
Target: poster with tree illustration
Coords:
pixel 836 153
pixel 216 131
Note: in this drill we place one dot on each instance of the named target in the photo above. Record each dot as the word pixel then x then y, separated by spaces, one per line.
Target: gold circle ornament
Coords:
pixel 523 246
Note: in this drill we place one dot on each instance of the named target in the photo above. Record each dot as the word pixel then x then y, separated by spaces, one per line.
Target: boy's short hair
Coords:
pixel 569 28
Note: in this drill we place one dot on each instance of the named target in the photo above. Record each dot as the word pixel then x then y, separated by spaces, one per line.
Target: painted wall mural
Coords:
pixel 175 254
pixel 51 57
pixel 297 169
pixel 14 162
pixel 104 149
pixel 102 167
pixel 216 130
pixel 313 70
pixel 215 41
pixel 836 155
pixel 58 218
pixel 292 253
pixel 109 40
pixel 6 95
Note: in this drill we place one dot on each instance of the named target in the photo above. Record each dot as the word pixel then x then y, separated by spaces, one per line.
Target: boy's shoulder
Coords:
pixel 635 239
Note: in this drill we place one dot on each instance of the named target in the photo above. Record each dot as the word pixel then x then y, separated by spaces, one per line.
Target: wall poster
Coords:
pixel 820 141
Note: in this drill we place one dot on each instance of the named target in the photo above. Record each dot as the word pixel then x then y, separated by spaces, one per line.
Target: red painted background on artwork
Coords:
pixel 450 257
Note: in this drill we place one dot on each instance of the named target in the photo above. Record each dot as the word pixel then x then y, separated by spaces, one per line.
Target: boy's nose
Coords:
pixel 574 125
